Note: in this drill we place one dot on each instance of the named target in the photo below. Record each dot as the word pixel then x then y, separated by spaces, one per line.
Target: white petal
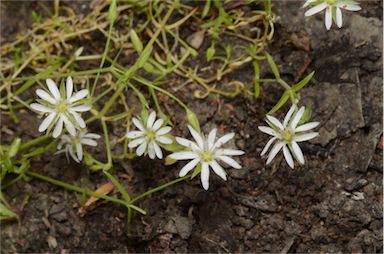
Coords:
pixel 151 150
pixel 157 124
pixel 224 139
pixel 188 167
pixel 58 128
pixel 289 115
pixel 89 142
pixel 71 152
pixel 187 143
pixel 69 125
pixel 297 117
pixel 308 2
pixel 69 87
pixel 53 89
pixel 164 140
pixel 328 17
pixel 78 96
pixel 79 151
pixel 205 175
pixel 305 137
pixel 78 118
pixel 288 156
pixel 141 149
pixel 269 143
pixel 230 152
pixel 41 108
pixel 307 126
pixel 185 155
pixel 81 108
pixel 297 152
pixel 231 162
pixel 158 152
pixel 45 96
pixel 163 130
pixel 275 149
pixel 218 170
pixel 199 140
pixel 138 124
pixel 315 9
pixel 339 17
pixel 47 121
pixel 211 138
pixel 151 119
pixel 92 135
pixel 268 130
pixel 135 134
pixel 275 122
pixel 136 142
pixel 350 7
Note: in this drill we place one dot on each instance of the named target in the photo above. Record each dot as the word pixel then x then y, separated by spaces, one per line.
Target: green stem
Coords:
pixel 159 188
pixel 34 142
pixel 106 141
pixel 84 191
pixel 104 56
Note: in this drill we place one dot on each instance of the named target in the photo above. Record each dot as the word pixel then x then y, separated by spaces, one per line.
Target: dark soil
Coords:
pixel 332 204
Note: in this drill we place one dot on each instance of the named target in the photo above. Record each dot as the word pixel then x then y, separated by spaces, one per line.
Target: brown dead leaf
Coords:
pixel 103 189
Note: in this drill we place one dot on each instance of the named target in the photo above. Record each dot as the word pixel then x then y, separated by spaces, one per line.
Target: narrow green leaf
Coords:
pixel 144 56
pixel 280 103
pixel 206 9
pixel 14 148
pixel 169 161
pixel 112 12
pixel 303 82
pixel 210 52
pixel 192 120
pixel 6 213
pixel 256 82
pixel 196 171
pixel 136 42
pixel 273 65
pixel 121 189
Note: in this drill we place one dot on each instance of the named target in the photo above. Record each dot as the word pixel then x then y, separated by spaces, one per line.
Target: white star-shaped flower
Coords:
pixel 73 145
pixel 287 135
pixel 150 134
pixel 61 111
pixel 206 151
pixel 332 9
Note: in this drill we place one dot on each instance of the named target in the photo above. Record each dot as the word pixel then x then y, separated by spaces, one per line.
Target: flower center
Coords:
pixel 330 2
pixel 288 135
pixel 151 134
pixel 206 156
pixel 62 106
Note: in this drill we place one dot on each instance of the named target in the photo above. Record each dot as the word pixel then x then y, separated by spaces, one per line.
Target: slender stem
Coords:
pixel 84 191
pixel 104 56
pixel 159 188
pixel 106 141
pixel 34 142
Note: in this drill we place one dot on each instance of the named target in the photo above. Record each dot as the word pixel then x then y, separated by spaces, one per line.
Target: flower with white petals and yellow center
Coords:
pixel 206 151
pixel 332 9
pixel 150 134
pixel 62 111
pixel 287 135
pixel 73 145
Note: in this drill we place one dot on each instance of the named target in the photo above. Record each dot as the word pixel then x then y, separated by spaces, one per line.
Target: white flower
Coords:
pixel 332 9
pixel 73 145
pixel 150 134
pixel 206 152
pixel 61 111
pixel 287 135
